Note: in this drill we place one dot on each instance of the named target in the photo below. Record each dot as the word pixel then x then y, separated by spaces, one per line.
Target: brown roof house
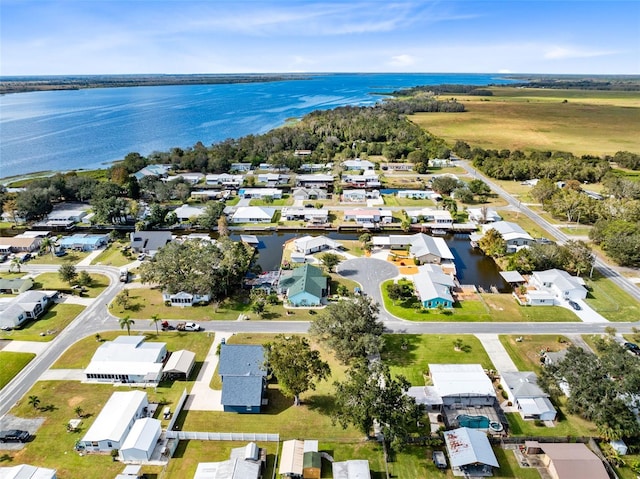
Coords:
pixel 569 461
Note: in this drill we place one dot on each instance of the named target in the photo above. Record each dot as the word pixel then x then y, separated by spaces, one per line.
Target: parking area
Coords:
pixel 13 422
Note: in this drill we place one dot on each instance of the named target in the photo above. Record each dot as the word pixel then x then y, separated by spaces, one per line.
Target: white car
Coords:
pixel 192 327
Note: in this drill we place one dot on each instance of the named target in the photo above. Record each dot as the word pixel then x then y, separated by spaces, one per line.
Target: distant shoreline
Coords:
pixel 24 84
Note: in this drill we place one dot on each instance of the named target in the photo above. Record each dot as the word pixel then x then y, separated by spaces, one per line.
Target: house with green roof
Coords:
pixel 304 286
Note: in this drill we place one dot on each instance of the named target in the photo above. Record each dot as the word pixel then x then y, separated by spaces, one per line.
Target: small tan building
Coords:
pixel 570 461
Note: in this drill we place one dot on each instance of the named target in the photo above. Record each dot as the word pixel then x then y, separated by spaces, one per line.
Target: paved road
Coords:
pixel 611 272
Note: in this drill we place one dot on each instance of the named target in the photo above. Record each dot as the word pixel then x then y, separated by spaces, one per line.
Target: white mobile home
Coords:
pixel 141 440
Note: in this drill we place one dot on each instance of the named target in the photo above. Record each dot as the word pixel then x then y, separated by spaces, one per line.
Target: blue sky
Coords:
pixel 240 36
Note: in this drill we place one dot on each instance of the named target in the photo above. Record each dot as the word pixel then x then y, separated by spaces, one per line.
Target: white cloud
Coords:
pixel 402 61
pixel 561 53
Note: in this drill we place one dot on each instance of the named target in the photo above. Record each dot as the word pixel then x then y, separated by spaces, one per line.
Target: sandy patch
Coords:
pixel 75 400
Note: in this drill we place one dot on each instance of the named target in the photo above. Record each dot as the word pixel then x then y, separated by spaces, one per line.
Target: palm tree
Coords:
pixel 34 401
pixel 126 322
pixel 15 262
pixel 78 410
pixel 47 244
pixel 155 319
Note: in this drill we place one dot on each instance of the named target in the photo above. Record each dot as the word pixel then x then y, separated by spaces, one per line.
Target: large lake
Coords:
pixel 86 129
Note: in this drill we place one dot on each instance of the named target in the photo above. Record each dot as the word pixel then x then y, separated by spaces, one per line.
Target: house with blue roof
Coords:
pixel 304 286
pixel 83 242
pixel 244 377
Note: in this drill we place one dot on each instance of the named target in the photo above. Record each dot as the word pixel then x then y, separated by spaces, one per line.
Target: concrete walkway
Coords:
pixel 93 255
pixel 498 355
pixel 202 397
pixel 62 375
pixel 35 347
pixel 71 299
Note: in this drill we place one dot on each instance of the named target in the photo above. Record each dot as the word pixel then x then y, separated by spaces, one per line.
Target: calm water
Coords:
pixel 473 267
pixel 65 130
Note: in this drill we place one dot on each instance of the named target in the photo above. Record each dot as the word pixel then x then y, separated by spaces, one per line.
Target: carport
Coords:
pixel 179 365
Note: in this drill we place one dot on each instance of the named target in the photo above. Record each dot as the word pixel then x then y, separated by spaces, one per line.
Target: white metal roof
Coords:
pixel 143 435
pixel 130 349
pixel 353 469
pixel 26 471
pixel 456 379
pixel 508 230
pixel 117 413
pixel 180 361
pixel 469 446
pixel 292 458
pixel 130 368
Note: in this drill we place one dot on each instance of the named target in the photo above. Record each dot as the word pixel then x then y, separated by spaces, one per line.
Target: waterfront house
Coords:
pixel 149 242
pixel 161 171
pixel 483 215
pixel 422 247
pixel 188 212
pixel 558 284
pixel 368 216
pixel 514 236
pixel 304 286
pixel 127 359
pixel 273 179
pixel 470 452
pixel 415 194
pixel 253 214
pixel 431 217
pixel 311 215
pixel 524 393
pixel 312 244
pixel 83 242
pixel 117 417
pixel 433 286
pixel 243 373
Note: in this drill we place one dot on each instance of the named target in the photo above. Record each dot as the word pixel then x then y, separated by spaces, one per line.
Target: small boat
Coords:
pixel 438 232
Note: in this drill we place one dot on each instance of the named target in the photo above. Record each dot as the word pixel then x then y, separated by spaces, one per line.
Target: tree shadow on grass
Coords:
pixel 400 349
pixel 6 458
pixel 278 402
pixel 322 403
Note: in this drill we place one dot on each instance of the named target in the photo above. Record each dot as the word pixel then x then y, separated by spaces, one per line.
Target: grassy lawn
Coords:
pixel 527 224
pixel 12 364
pixel 393 200
pixel 52 445
pixel 145 302
pixel 576 231
pixel 190 453
pixel 114 255
pixel 79 355
pixel 566 424
pixel 526 353
pixel 422 349
pixel 286 200
pixel 353 247
pixel 55 319
pixel 610 301
pixel 491 307
pixel 53 281
pixel 529 119
pixel 626 472
pixel 72 257
pixel 510 468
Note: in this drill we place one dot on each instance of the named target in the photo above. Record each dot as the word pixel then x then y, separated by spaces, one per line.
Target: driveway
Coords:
pixel 586 314
pixel 370 273
pixel 497 353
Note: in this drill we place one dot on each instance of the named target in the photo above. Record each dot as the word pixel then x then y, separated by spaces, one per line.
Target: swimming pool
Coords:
pixel 478 422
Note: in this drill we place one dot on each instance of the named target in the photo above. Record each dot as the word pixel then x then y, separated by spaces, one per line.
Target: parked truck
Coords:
pixel 124 275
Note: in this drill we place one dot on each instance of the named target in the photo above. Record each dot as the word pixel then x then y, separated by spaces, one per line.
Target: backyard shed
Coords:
pixel 352 469
pixel 179 365
pixel 311 465
pixel 141 440
pixel 292 459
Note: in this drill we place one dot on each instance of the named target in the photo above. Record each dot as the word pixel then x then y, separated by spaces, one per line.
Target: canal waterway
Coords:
pixel 472 266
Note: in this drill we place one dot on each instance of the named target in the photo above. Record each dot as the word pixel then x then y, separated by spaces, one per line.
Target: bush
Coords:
pixel 505 396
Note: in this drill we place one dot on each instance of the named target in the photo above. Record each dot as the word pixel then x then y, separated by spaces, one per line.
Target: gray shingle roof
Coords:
pixel 241 360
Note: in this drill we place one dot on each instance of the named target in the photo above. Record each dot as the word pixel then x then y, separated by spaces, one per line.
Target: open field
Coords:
pixel 72 257
pixel 12 364
pixel 409 354
pixel 526 354
pixel 590 122
pixel 527 224
pixel 52 281
pixel 610 301
pixel 113 256
pixel 51 323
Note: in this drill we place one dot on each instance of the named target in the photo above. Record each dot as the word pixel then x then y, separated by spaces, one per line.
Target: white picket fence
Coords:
pixel 222 436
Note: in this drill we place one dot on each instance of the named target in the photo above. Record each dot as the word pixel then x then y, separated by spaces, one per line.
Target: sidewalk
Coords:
pixel 498 355
pixel 202 397
pixel 93 255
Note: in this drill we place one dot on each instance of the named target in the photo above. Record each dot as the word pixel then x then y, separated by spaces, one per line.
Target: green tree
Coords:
pixel 34 401
pixel 296 366
pixel 371 394
pixel 580 257
pixel 445 184
pixel 155 319
pixel 223 226
pixel 16 263
pixel 212 212
pixel 394 291
pixel 544 190
pixel 84 279
pixel 478 187
pixel 350 328
pixel 450 205
pixel 79 411
pixel 67 273
pixel 126 322
pixel 492 243
pixel 122 299
pixel 47 245
pixel 330 261
pixel 463 194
